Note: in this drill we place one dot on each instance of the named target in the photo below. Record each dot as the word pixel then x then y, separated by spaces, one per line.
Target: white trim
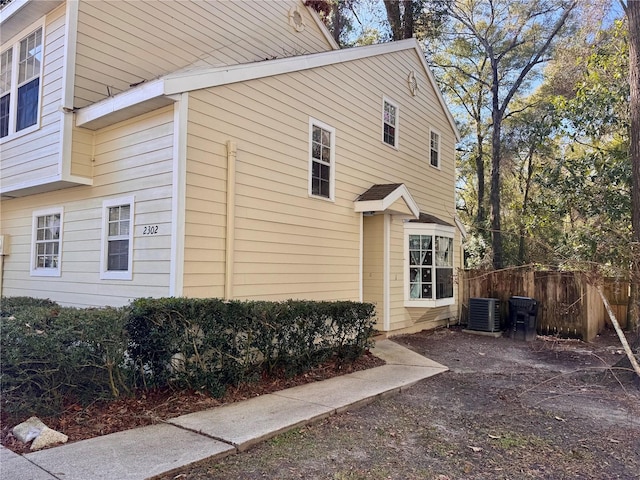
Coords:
pixel 461 228
pixel 39 185
pixel 433 131
pixel 361 259
pixel 178 195
pixel 69 58
pixel 45 272
pixel 332 161
pixel 145 92
pixel 432 229
pixel 396 139
pixel 386 274
pixel 119 274
pixel 323 28
pixel 382 205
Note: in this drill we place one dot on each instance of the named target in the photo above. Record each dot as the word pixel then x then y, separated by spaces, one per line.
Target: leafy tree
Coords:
pixel 515 37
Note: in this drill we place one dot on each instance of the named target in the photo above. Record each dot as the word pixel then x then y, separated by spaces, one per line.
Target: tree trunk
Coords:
pixel 481 217
pixel 494 197
pixel 394 18
pixel 633 15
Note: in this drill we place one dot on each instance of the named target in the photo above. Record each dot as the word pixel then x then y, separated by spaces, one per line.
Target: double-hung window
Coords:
pixel 429 275
pixel 46 247
pixel 390 122
pixel 117 239
pixel 321 159
pixel 20 85
pixel 434 149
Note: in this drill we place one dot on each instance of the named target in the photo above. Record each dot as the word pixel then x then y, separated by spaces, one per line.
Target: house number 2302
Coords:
pixel 150 230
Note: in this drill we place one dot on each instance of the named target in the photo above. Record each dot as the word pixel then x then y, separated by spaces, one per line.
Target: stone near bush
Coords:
pixel 42 436
pixel 48 437
pixel 29 429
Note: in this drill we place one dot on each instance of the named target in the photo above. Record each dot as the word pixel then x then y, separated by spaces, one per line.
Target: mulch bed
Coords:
pixel 153 406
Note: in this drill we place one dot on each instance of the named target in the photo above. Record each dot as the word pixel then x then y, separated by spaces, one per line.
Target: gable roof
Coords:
pixel 151 95
pixel 390 197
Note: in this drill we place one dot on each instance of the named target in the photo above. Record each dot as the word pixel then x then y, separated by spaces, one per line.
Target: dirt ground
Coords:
pixel 507 409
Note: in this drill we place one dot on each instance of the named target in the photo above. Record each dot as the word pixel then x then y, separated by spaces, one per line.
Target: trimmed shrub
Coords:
pixel 53 356
pixel 209 344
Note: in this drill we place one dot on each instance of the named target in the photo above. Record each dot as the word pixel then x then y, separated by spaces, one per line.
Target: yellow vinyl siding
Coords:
pixel 36 155
pixel 288 245
pixel 121 43
pixel 131 158
pixel 373 265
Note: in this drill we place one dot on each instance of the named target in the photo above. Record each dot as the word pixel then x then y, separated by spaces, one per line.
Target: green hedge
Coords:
pixel 52 356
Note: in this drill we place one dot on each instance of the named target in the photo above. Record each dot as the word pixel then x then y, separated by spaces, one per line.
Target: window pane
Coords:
pixel 326 154
pixel 426 275
pixel 124 212
pixel 389 134
pixel 4 115
pixel 316 134
pixel 326 138
pixel 414 290
pixel 6 67
pixel 444 283
pixel 414 242
pixel 324 188
pixel 114 214
pixel 315 151
pixel 28 104
pixel 118 255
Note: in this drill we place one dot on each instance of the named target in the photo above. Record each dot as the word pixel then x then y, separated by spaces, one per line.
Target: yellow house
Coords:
pixel 221 149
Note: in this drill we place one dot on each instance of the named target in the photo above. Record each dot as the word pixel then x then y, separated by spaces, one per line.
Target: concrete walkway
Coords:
pixel 141 453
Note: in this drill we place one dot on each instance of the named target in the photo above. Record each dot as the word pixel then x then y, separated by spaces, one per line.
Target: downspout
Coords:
pixel 386 273
pixel 231 220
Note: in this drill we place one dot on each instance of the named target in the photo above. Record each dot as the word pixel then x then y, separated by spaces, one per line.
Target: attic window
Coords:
pixel 296 20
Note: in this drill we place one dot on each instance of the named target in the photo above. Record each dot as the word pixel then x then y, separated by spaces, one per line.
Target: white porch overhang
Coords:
pixel 391 198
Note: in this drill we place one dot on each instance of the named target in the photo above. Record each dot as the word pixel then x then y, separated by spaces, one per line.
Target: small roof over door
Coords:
pixel 390 198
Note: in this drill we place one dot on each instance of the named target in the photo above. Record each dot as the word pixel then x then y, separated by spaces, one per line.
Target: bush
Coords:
pixel 209 344
pixel 53 355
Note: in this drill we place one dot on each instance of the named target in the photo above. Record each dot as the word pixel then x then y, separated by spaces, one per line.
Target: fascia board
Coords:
pixel 382 205
pixel 402 191
pixel 323 28
pixel 213 77
pixel 123 100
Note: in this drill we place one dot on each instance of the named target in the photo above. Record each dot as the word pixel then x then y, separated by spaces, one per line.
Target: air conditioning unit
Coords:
pixel 484 314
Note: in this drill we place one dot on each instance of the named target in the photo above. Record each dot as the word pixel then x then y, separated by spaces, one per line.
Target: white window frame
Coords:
pixel 438 149
pixel 435 230
pixel 106 274
pixel 45 271
pixel 332 162
pixel 396 138
pixel 14 45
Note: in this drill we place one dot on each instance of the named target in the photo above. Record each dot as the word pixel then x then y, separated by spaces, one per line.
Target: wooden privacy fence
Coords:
pixel 568 304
